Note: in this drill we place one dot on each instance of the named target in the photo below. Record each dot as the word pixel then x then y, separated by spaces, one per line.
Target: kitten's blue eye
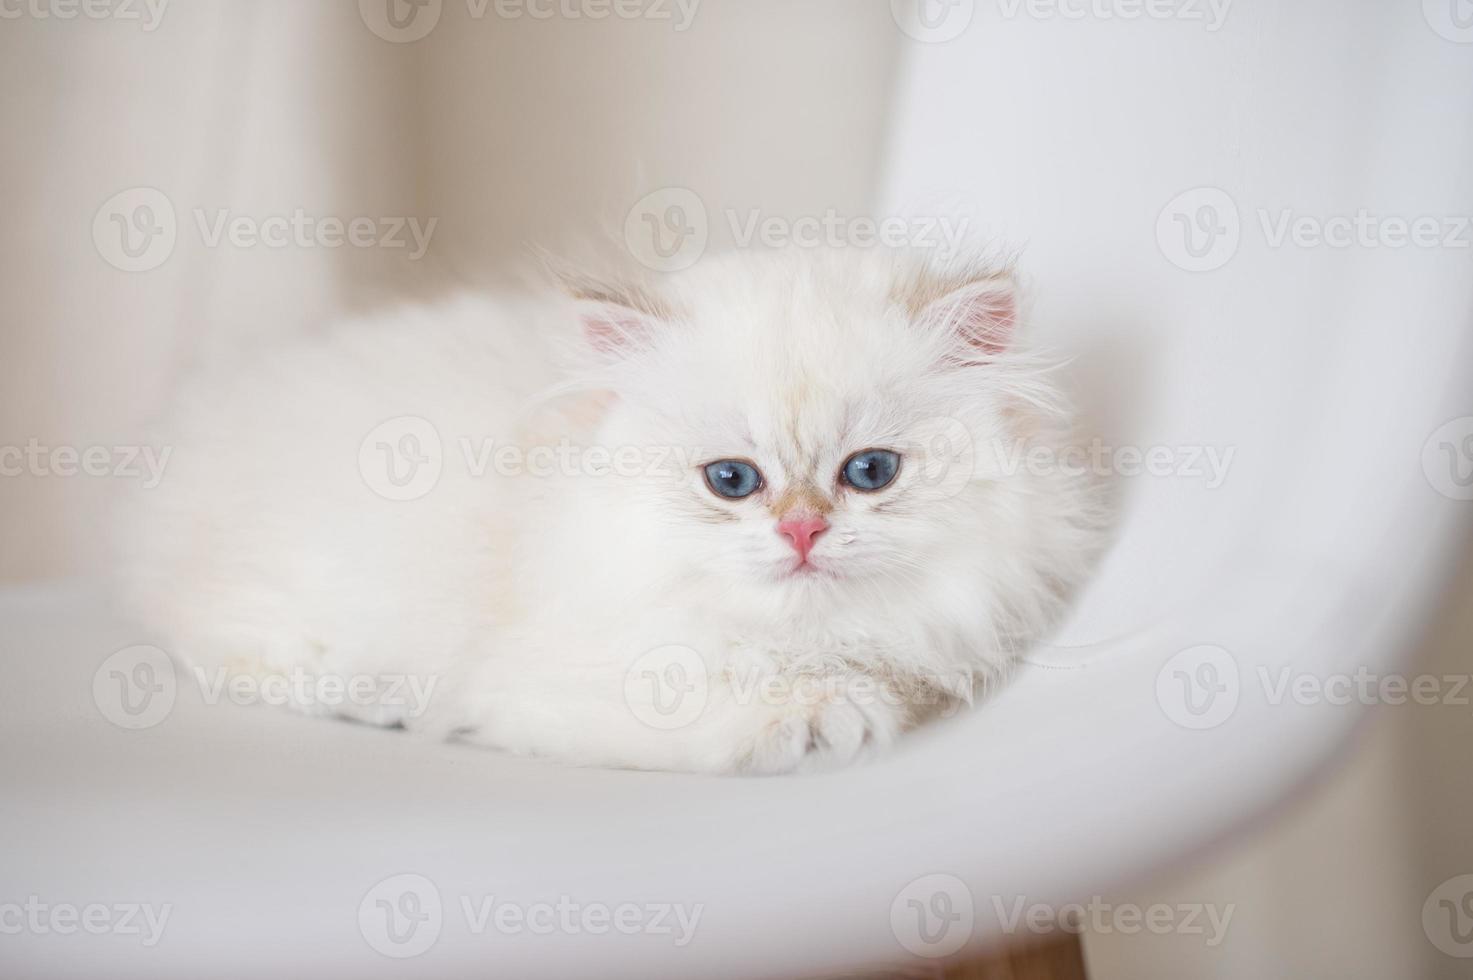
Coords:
pixel 733 478
pixel 871 469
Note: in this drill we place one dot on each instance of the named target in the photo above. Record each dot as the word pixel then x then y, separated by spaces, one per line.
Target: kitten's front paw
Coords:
pixel 824 729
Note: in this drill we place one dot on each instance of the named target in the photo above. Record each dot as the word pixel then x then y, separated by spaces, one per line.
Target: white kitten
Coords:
pixel 756 516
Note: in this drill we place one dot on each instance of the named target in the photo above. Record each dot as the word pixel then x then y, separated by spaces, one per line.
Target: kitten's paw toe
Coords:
pixel 839 730
pixel 844 731
pixel 822 736
pixel 781 745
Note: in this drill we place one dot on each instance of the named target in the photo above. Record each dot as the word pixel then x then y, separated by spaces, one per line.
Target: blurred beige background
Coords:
pixel 511 132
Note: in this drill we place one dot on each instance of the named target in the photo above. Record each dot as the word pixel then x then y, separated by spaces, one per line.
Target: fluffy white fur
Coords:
pixel 532 600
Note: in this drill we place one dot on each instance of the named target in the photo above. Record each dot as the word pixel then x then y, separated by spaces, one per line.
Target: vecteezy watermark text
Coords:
pixel 679 13
pixel 121 462
pixel 406 21
pixel 834 230
pixel 303 230
pixel 147 13
pixel 1209 464
pixel 403 916
pixel 1210 13
pixel 295 687
pixel 1099 916
pixel 40 918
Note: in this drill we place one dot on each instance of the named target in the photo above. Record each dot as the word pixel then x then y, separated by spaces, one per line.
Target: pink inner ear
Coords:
pixel 613 329
pixel 982 314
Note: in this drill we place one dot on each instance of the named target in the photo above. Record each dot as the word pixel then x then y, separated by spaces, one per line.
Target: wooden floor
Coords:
pixel 1056 959
pixel 1043 959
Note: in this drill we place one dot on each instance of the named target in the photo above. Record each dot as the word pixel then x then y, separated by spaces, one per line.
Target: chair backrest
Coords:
pixel 1249 224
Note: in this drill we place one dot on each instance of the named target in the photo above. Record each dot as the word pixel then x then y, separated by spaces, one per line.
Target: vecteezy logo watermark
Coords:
pixel 1447 459
pixel 666 230
pixel 933 21
pixel 120 462
pixel 1199 687
pixel 1451 19
pixel 147 13
pixel 1099 916
pixel 403 916
pixel 135 688
pixel 402 458
pixel 39 918
pixel 400 21
pixel 667 687
pixel 1199 230
pixel 941 459
pixel 933 916
pixel 136 230
pixel 1447 917
pixel 833 230
pixel 1212 13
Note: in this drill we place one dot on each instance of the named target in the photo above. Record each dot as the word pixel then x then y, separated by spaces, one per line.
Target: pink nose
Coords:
pixel 801 531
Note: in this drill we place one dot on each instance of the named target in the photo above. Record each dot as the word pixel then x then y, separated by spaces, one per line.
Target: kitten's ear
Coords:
pixel 981 313
pixel 618 318
pixel 615 329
